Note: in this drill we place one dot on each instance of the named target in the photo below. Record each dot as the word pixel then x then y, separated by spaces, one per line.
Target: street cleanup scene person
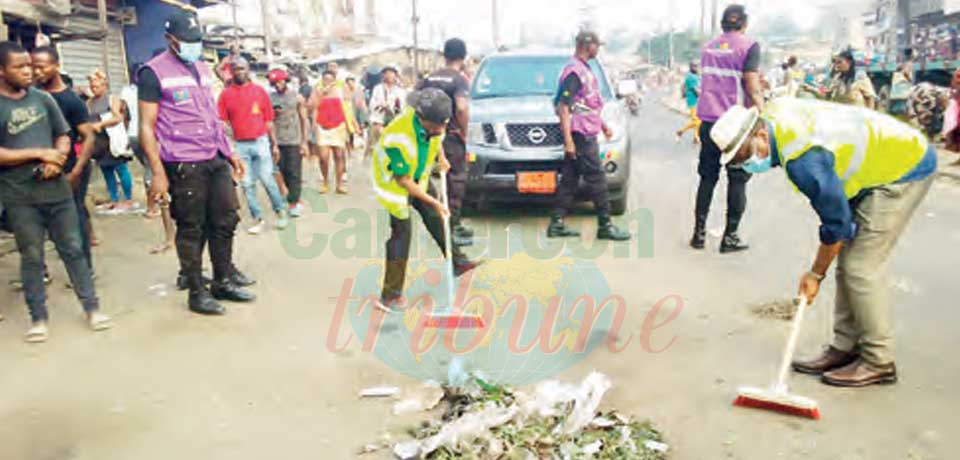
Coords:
pixel 409 147
pixel 864 174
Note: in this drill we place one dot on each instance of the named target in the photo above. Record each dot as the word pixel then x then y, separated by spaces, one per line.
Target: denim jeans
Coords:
pixel 110 174
pixel 80 198
pixel 259 163
pixel 31 223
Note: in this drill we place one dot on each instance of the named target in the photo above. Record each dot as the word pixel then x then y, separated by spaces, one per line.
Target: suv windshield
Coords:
pixel 526 76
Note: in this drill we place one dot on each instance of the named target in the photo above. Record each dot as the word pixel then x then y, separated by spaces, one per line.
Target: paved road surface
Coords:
pixel 261 382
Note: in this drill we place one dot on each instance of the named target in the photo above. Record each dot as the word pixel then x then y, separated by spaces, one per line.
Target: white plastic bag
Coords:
pixel 119 142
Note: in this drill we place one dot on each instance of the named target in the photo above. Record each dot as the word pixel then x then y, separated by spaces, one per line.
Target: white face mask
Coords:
pixel 191 52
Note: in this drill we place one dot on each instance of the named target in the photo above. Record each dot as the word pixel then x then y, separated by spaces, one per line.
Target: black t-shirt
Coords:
pixel 306 91
pixel 752 64
pixel 569 89
pixel 74 111
pixel 31 122
pixel 451 82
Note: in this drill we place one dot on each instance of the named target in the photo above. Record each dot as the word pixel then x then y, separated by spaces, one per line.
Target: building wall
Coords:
pixel 148 34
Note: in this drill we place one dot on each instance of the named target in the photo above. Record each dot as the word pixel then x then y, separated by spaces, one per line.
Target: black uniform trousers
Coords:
pixel 204 205
pixel 587 165
pixel 709 170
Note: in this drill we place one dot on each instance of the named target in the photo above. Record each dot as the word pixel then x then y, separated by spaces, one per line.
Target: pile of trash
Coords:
pixel 557 421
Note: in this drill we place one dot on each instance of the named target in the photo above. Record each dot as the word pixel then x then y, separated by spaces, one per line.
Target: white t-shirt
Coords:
pixel 129 95
pixel 383 98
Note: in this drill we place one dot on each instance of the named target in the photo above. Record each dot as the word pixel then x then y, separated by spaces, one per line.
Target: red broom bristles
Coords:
pixel 743 401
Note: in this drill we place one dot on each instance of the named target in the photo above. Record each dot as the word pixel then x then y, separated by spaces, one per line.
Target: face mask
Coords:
pixel 190 52
pixel 755 165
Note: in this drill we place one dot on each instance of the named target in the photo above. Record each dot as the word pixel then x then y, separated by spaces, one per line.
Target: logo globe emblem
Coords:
pixel 537 135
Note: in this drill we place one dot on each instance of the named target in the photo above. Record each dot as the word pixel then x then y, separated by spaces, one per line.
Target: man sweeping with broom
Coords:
pixel 402 164
pixel 865 174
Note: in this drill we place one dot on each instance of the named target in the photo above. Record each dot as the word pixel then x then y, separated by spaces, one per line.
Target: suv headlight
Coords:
pixel 613 117
pixel 475 135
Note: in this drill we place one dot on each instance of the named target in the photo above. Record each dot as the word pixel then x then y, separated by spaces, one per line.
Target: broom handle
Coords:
pixel 781 383
pixel 447 245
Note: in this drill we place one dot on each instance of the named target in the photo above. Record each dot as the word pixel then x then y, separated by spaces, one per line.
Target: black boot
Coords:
pixel 183 284
pixel 226 289
pixel 607 231
pixel 460 230
pixel 732 243
pixel 557 229
pixel 240 279
pixel 699 239
pixel 203 303
pixel 461 241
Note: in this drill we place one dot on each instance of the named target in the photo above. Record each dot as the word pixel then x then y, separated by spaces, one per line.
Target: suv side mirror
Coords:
pixel 627 88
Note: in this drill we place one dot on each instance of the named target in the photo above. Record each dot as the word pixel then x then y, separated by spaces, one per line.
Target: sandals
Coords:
pixel 324 189
pixel 342 190
pixel 161 248
pixel 38 333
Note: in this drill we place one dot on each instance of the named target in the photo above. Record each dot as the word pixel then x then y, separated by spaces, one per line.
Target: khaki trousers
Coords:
pixel 862 317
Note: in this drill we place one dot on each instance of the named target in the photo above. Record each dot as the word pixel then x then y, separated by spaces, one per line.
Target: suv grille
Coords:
pixel 535 135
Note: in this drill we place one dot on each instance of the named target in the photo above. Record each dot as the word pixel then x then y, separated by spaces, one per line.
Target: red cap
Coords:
pixel 276 75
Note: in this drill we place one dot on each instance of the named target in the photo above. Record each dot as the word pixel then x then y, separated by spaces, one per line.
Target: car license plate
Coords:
pixel 539 183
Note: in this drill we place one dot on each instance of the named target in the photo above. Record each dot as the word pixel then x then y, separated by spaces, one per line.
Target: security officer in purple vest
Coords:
pixel 579 104
pixel 193 164
pixel 730 75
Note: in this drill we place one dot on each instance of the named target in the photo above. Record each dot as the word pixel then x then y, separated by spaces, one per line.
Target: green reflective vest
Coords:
pixel 400 134
pixel 870 149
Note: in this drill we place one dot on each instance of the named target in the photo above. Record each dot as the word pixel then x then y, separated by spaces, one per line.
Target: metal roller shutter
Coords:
pixel 81 57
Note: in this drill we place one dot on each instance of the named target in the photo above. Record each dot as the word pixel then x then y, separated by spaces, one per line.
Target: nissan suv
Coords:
pixel 514 144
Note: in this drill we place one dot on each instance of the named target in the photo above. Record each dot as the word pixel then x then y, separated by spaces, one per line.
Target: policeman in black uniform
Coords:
pixel 452 81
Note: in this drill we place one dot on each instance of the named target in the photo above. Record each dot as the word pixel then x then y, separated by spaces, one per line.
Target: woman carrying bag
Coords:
pixel 111 147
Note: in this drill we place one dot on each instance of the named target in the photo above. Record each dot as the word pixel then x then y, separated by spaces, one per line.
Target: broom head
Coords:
pixel 777 401
pixel 448 318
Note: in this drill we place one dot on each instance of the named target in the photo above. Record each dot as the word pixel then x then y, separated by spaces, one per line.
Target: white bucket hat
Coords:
pixel 732 130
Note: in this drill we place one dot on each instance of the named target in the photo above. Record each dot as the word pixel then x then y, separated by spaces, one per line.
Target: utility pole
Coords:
pixel 670 46
pixel 415 19
pixel 236 28
pixel 105 48
pixel 495 13
pixel 715 19
pixel 703 17
pixel 267 41
pixel 903 20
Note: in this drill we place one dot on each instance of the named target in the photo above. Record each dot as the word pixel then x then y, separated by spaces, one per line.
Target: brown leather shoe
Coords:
pixel 860 374
pixel 831 359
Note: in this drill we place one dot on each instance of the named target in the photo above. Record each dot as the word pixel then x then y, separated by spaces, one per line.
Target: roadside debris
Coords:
pixel 379 392
pixel 423 399
pixel 782 309
pixel 557 421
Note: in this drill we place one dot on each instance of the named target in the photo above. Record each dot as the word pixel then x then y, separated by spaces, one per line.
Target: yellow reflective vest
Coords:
pixel 400 134
pixel 870 149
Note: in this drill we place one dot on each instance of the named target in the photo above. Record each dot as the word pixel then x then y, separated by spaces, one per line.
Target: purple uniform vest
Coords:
pixel 587 103
pixel 721 70
pixel 188 128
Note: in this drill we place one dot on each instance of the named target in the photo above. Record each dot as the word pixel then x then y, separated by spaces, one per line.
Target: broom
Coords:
pixel 777 398
pixel 444 316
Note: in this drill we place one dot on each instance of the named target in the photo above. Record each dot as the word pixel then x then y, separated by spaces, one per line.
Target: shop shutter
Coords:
pixel 80 57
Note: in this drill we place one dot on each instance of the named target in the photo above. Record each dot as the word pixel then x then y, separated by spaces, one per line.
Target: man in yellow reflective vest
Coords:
pixel 402 164
pixel 865 174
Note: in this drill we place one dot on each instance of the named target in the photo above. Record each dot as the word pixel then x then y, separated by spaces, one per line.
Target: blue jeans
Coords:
pixel 31 223
pixel 259 163
pixel 110 174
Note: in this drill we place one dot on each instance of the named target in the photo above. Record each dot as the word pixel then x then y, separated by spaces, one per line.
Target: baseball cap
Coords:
pixel 454 48
pixel 734 14
pixel 184 27
pixel 276 75
pixel 431 104
pixel 587 37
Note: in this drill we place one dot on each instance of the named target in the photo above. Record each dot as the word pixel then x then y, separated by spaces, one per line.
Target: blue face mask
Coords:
pixel 754 165
pixel 190 52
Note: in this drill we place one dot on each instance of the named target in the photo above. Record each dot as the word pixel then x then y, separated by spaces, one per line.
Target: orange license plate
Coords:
pixel 539 183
